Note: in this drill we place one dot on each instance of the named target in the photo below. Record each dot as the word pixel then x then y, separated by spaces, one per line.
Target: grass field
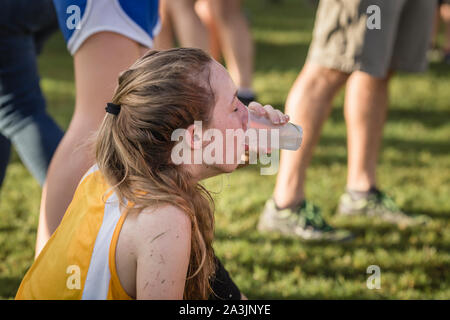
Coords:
pixel 414 167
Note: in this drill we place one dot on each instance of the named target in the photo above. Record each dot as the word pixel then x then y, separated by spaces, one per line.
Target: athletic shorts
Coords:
pixel 135 19
pixel 349 36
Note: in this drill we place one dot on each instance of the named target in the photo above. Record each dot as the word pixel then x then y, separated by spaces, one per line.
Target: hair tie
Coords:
pixel 112 108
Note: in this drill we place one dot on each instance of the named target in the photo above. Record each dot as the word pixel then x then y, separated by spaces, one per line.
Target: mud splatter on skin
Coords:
pixel 159 235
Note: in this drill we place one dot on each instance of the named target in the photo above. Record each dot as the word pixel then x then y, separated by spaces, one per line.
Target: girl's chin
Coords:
pixel 229 168
pixel 220 169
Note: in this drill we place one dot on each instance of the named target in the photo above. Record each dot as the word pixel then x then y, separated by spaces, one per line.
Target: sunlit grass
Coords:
pixel 414 167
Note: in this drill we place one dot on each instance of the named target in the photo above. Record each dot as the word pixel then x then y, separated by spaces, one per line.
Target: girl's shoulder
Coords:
pixel 158 223
pixel 151 239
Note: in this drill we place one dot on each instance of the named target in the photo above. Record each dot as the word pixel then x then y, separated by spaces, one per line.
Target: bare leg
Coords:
pixel 203 9
pixel 445 14
pixel 97 65
pixel 188 27
pixel 236 40
pixel 435 29
pixel 308 104
pixel 365 113
pixel 164 40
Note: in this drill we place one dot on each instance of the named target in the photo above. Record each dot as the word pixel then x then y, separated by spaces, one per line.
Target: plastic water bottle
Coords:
pixel 289 134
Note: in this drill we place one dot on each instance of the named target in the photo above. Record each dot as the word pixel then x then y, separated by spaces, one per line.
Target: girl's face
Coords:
pixel 229 114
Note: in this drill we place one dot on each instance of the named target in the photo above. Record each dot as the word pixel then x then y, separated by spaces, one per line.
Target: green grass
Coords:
pixel 414 167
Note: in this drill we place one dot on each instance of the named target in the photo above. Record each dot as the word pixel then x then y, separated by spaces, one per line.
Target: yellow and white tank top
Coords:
pixel 78 262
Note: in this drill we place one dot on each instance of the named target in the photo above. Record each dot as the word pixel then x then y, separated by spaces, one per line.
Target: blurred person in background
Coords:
pixel 180 19
pixel 228 22
pixel 442 14
pixel 105 37
pixel 203 10
pixel 216 26
pixel 24 121
pixel 349 46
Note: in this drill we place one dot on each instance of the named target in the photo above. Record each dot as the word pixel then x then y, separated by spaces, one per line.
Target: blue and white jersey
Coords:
pixel 135 19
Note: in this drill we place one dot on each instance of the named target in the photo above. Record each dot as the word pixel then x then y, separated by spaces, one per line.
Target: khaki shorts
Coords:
pixel 342 38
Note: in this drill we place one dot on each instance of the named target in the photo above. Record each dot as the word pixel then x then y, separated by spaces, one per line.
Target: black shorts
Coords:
pixel 223 286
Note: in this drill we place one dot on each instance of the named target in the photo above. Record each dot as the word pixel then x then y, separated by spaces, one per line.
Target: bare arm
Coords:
pixel 163 254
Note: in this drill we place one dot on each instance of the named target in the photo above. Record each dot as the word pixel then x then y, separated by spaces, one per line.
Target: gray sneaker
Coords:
pixel 377 204
pixel 304 222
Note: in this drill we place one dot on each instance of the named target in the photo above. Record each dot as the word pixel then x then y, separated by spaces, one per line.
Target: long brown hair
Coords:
pixel 162 91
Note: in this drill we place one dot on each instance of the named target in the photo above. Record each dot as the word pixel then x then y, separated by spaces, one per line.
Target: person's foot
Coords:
pixel 305 222
pixel 376 204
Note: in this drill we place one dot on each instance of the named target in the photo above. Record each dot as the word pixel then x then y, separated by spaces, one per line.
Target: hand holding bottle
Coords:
pixel 268 118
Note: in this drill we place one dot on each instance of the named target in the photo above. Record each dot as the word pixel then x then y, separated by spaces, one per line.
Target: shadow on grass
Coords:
pixel 435 271
pixel 276 296
pixel 434 214
pixel 434 147
pixel 427 117
pixel 401 244
pixel 9 286
pixel 7 229
pixel 360 228
pixel 439 69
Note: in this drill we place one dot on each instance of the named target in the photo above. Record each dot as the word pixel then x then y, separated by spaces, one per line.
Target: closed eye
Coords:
pixel 233 102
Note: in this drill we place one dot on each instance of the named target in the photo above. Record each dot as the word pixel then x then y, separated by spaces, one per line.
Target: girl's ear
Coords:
pixel 193 136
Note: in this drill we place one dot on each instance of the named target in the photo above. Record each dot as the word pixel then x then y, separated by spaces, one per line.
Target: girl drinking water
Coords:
pixel 139 226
